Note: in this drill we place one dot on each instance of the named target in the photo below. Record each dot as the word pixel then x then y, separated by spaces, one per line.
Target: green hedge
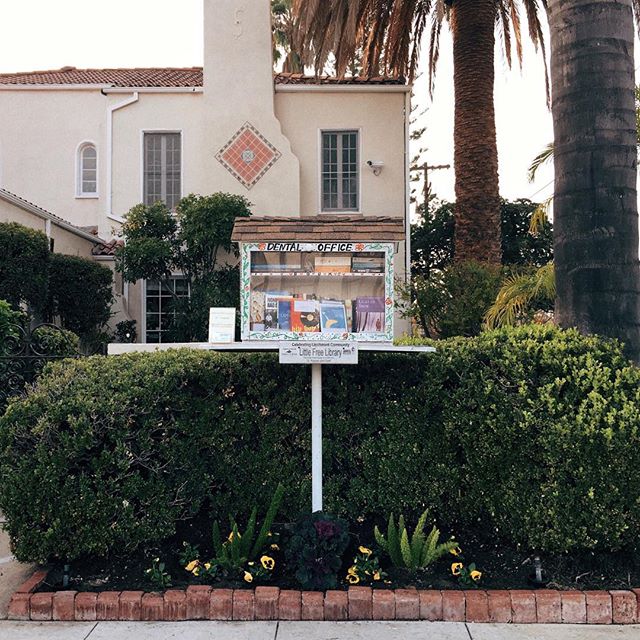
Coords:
pixel 530 432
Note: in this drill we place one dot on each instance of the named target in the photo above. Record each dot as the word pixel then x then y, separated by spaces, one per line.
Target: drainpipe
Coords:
pixel 407 182
pixel 110 111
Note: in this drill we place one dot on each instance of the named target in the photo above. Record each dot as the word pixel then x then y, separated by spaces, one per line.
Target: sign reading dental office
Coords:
pixel 318 352
pixel 323 247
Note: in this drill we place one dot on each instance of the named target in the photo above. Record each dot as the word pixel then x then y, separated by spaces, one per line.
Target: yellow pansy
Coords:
pixel 367 552
pixel 476 575
pixel 274 547
pixel 191 566
pixel 352 571
pixel 352 578
pixel 196 571
pixel 207 565
pixel 376 575
pixel 456 568
pixel 456 551
pixel 248 577
pixel 267 562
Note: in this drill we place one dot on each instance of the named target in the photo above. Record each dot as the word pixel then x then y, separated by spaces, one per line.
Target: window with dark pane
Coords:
pixel 160 304
pixel 340 177
pixel 162 168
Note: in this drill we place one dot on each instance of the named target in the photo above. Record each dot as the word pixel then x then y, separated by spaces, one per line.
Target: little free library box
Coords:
pixel 328 277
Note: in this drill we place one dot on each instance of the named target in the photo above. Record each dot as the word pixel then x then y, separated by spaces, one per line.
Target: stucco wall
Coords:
pixel 379 117
pixel 63 241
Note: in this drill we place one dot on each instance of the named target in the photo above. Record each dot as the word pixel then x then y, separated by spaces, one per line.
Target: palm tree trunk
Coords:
pixel 595 201
pixel 477 212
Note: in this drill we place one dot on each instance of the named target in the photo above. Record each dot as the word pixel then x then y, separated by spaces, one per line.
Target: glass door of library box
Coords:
pixel 317 291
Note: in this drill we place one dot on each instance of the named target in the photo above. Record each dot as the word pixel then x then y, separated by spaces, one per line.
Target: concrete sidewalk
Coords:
pixel 12 573
pixel 308 631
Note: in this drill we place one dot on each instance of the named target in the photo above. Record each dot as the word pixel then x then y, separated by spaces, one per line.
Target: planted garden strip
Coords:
pixel 201 602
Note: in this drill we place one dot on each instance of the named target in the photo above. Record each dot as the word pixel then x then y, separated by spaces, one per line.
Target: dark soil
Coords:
pixel 502 566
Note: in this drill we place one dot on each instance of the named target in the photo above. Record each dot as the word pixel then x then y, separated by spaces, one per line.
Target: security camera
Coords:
pixel 376 166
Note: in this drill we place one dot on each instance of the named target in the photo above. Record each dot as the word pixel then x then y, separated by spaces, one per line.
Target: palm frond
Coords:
pixel 517 293
pixel 546 155
pixel 540 217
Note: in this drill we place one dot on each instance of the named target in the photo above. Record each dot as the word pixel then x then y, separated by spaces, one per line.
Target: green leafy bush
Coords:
pixel 532 433
pixel 80 293
pixel 24 266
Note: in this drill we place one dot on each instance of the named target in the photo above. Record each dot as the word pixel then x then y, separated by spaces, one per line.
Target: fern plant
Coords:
pixel 239 548
pixel 414 553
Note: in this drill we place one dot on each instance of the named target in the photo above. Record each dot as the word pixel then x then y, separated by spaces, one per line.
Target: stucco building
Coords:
pixel 88 144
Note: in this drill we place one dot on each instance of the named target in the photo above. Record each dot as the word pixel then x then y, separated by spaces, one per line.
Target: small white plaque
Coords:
pixel 222 324
pixel 311 352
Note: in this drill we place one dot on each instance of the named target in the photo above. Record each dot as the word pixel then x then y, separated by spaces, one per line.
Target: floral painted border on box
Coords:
pixel 358 247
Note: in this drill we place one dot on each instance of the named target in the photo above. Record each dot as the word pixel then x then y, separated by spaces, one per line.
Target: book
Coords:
pixel 276 261
pixel 305 316
pixel 284 313
pixel 257 308
pixel 369 314
pixel 333 264
pixel 270 312
pixel 335 268
pixel 333 317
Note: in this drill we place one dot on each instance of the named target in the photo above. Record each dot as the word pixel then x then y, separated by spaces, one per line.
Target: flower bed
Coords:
pixel 202 602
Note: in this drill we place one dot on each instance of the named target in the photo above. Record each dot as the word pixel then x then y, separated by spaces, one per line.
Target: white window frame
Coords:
pixel 142 336
pixel 332 212
pixel 80 194
pixel 142 134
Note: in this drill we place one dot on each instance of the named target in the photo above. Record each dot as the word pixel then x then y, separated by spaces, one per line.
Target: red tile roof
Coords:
pixel 107 249
pixel 161 77
pixel 318 228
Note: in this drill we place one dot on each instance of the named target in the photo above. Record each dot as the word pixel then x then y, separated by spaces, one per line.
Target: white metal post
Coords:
pixel 316 437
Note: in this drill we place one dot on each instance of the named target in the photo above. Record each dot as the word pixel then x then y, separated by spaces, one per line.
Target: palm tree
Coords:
pixel 595 201
pixel 385 36
pixel 283 28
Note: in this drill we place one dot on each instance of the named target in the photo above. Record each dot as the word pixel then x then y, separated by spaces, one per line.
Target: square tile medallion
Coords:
pixel 248 155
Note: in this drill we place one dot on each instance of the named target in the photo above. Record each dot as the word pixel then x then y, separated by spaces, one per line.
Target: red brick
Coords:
pixel 290 605
pixel 598 607
pixel 383 604
pixel 19 606
pixel 175 605
pixel 360 603
pixel 624 606
pixel 312 606
pixel 32 583
pixel 63 606
pixel 549 606
pixel 430 605
pixel 336 605
pixel 523 607
pixel 85 605
pixel 221 604
pixel 477 609
pixel 108 606
pixel 499 604
pixel 266 603
pixel 198 602
pixel 41 606
pixel 574 607
pixel 453 606
pixel 243 604
pixel 152 607
pixel 407 604
pixel 130 605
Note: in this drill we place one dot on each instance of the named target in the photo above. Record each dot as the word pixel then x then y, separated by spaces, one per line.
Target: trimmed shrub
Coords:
pixel 532 432
pixel 80 293
pixel 24 264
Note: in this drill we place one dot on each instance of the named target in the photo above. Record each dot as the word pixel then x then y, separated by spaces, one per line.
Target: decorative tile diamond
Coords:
pixel 248 155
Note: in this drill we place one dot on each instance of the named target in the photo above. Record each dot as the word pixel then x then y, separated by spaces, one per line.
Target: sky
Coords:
pixel 46 34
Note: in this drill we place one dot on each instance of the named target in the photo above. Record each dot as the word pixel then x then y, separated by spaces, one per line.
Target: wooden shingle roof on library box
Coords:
pixel 318 229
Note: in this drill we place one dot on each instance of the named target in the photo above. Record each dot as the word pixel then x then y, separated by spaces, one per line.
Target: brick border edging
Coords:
pixel 358 603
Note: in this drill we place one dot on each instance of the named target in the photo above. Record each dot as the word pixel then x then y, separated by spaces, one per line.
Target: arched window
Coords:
pixel 87 170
